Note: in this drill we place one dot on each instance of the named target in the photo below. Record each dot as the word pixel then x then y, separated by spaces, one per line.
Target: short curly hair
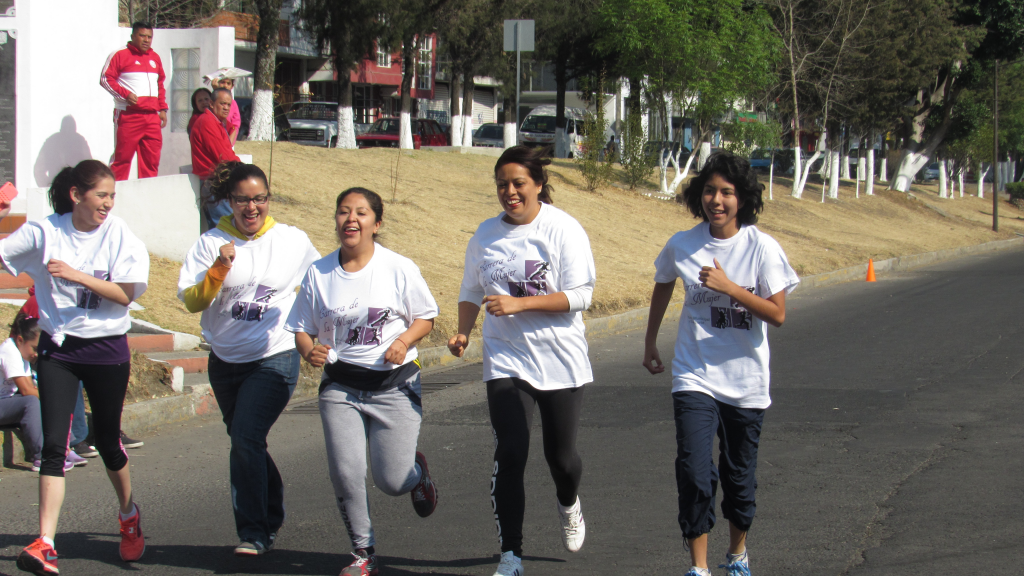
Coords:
pixel 737 171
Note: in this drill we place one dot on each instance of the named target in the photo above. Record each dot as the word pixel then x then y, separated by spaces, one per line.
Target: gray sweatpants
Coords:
pixel 24 410
pixel 390 420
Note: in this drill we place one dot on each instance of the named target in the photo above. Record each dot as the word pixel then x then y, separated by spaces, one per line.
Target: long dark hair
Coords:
pixel 737 171
pixel 225 179
pixel 26 327
pixel 534 160
pixel 85 176
pixel 195 108
pixel 372 198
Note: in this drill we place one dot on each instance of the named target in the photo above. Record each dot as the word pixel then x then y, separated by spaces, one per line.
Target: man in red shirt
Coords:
pixel 134 76
pixel 211 146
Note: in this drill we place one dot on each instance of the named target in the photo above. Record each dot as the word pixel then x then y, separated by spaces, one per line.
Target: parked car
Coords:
pixel 313 123
pixel 280 120
pixel 761 159
pixel 489 136
pixel 538 129
pixel 384 134
pixel 930 172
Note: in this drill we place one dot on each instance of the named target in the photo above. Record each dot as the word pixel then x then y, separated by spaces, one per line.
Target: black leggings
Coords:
pixel 106 385
pixel 511 402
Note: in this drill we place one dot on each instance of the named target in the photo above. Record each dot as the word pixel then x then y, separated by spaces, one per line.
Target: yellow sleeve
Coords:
pixel 199 297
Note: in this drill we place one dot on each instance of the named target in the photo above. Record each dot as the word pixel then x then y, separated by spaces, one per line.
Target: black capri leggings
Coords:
pixel 511 402
pixel 106 385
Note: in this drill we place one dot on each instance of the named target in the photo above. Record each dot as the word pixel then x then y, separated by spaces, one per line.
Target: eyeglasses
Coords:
pixel 244 200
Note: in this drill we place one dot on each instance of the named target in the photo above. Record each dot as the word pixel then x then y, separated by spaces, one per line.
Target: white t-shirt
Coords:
pixel 110 252
pixel 244 323
pixel 359 314
pixel 722 349
pixel 12 365
pixel 549 255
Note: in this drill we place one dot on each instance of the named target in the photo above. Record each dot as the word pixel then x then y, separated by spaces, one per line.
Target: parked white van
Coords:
pixel 538 128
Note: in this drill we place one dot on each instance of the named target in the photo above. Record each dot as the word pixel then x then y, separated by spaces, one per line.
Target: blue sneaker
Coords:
pixel 694 571
pixel 737 564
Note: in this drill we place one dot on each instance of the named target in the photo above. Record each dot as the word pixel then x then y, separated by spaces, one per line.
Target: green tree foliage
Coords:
pixel 637 164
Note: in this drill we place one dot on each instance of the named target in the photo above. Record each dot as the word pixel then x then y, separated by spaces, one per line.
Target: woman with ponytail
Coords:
pixel 87 267
pixel 532 269
pixel 242 275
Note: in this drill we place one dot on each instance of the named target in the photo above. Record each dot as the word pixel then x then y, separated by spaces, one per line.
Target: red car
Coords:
pixel 384 134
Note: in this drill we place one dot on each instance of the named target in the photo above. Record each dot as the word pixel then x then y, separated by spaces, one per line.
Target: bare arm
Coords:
pixel 772 309
pixel 508 305
pixel 25 386
pixel 400 347
pixel 660 298
pixel 315 354
pixel 467 318
pixel 121 293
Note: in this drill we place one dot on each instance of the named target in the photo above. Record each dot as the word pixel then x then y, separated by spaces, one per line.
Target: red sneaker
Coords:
pixel 363 564
pixel 132 542
pixel 424 494
pixel 38 558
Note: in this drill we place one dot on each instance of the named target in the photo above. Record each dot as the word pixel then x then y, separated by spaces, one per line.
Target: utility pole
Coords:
pixel 995 152
pixel 519 36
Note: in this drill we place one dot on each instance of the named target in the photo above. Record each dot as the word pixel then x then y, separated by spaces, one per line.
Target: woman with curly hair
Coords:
pixel 736 280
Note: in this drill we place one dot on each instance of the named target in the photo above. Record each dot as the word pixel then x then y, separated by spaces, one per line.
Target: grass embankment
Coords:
pixel 437 200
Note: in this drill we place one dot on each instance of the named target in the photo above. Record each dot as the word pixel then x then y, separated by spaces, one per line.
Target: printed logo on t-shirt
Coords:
pixel 736 316
pixel 536 272
pixel 372 334
pixel 253 311
pixel 85 298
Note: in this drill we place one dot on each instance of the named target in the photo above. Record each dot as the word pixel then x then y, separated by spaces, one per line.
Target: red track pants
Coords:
pixel 137 132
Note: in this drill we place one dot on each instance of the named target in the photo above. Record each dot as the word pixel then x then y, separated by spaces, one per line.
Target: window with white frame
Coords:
pixel 185 78
pixel 383 56
pixel 424 63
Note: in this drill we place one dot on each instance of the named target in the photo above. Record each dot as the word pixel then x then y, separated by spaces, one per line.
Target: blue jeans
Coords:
pixel 251 396
pixel 79 425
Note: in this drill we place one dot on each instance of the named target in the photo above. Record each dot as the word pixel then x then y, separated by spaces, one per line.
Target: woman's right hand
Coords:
pixel 227 254
pixel 318 356
pixel 457 345
pixel 652 359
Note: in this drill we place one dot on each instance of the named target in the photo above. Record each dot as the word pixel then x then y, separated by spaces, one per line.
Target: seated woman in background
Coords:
pixel 201 100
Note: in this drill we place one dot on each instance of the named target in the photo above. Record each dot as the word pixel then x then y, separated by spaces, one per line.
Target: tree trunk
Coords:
pixel 943 185
pixel 834 174
pixel 405 140
pixel 845 173
pixel 561 144
pixel 261 122
pixel 456 108
pixel 771 175
pixel 510 123
pixel 468 87
pixel 883 170
pixel 981 179
pixel 869 176
pixel 797 190
pixel 346 119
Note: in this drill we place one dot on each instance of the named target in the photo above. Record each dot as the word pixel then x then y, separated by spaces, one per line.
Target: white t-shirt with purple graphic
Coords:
pixel 12 365
pixel 245 322
pixel 549 255
pixel 359 314
pixel 722 349
pixel 110 252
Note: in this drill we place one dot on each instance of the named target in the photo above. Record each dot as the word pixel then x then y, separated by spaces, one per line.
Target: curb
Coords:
pixel 198 401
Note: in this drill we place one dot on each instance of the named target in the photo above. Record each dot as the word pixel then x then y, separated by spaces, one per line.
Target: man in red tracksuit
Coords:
pixel 134 75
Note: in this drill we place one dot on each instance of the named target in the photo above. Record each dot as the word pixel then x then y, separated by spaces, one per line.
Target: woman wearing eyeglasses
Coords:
pixel 242 276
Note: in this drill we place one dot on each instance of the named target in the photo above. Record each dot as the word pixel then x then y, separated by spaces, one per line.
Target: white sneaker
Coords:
pixel 574 529
pixel 510 565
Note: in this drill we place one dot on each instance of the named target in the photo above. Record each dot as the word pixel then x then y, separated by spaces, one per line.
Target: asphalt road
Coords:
pixel 894 445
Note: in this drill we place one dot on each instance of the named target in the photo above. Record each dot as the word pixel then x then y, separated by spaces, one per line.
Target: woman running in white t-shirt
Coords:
pixel 87 267
pixel 736 280
pixel 368 307
pixel 532 269
pixel 242 276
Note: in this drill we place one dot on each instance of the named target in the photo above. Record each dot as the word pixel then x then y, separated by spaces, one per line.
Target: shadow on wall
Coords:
pixel 65 148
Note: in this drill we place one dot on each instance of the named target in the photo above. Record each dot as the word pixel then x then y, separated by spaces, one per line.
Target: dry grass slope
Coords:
pixel 438 199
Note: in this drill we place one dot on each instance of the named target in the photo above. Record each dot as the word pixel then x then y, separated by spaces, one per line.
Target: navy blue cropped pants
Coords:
pixel 698 418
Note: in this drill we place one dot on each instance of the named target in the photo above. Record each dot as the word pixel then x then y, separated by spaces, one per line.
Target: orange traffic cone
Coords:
pixel 871 270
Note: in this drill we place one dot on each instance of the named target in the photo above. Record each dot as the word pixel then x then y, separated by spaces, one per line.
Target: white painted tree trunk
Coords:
pixel 467 130
pixel 510 134
pixel 982 171
pixel 910 165
pixel 846 167
pixel 883 170
pixel 771 176
pixel 962 176
pixel 561 150
pixel 861 168
pixel 943 185
pixel 797 190
pixel 835 172
pixel 456 128
pixel 705 151
pixel 667 189
pixel 346 128
pixel 261 125
pixel 405 131
pixel 869 176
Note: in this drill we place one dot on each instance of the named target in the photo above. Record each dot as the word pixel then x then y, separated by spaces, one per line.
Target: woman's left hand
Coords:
pixel 396 352
pixel 715 278
pixel 498 305
pixel 59 269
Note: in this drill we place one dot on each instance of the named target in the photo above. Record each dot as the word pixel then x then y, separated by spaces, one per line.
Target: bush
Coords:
pixel 1015 190
pixel 595 172
pixel 637 165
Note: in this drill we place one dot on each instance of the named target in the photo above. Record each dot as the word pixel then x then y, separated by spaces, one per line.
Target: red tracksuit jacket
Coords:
pixel 128 70
pixel 210 145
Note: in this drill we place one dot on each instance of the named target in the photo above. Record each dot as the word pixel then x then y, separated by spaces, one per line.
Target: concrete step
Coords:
pixel 20 281
pixel 190 361
pixel 151 342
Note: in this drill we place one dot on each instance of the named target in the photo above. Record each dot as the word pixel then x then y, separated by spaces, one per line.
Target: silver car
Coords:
pixel 489 136
pixel 314 123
